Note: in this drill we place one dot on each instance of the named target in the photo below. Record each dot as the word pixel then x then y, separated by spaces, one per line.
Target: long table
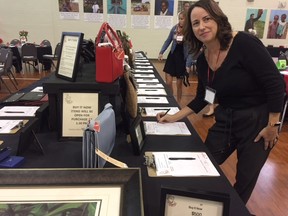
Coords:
pixel 67 153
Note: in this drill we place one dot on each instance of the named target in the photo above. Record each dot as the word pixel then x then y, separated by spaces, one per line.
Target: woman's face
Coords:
pixel 181 20
pixel 203 26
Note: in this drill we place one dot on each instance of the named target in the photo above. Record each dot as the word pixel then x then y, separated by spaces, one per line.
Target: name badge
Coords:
pixel 179 38
pixel 210 95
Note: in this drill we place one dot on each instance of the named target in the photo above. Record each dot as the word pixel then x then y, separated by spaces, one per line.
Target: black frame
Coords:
pixel 137 124
pixel 193 193
pixel 72 76
pixel 129 180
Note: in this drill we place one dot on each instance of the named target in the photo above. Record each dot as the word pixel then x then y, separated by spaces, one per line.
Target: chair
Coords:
pixel 29 55
pixel 6 58
pixel 54 57
pixel 285 103
pixel 45 43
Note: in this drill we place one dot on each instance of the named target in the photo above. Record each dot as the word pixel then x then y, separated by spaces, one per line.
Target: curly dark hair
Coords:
pixel 224 33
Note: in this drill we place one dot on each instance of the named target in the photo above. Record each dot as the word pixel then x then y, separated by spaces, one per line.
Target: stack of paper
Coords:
pixel 152 111
pixel 146 91
pixel 153 100
pixel 18 111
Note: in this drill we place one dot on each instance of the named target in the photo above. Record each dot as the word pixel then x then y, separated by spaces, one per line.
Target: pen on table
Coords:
pixel 165 113
pixel 181 158
pixel 152 98
pixel 13 112
pixel 162 109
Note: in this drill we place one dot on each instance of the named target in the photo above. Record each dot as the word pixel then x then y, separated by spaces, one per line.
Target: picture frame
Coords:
pixel 107 191
pixel 77 108
pixel 68 62
pixel 137 134
pixel 181 201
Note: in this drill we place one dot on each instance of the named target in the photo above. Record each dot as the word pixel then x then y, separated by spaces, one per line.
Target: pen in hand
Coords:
pixel 165 113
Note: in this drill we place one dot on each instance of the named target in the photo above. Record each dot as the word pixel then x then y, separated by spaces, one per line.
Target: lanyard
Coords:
pixel 209 82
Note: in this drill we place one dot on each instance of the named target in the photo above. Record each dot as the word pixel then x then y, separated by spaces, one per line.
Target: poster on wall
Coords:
pixel 255 21
pixel 277 28
pixel 140 14
pixel 117 13
pixel 93 10
pixel 163 14
pixel 184 5
pixel 69 9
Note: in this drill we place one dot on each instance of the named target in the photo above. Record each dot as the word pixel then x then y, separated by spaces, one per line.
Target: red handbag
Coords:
pixel 109 55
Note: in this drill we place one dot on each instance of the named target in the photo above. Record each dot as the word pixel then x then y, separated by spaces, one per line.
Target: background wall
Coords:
pixel 41 18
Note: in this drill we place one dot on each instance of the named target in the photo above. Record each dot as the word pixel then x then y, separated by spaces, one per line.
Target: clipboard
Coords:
pixel 16 129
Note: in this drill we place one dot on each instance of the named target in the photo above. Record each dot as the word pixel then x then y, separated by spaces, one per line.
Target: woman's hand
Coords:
pixel 161 117
pixel 270 135
pixel 160 57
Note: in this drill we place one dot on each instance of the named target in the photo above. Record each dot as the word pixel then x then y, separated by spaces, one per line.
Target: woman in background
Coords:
pixel 179 61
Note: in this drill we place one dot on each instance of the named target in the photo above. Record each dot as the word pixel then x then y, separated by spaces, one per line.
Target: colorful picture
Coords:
pixel 164 7
pixel 68 6
pixel 117 6
pixel 255 22
pixel 140 7
pixel 184 5
pixel 277 28
pixel 93 6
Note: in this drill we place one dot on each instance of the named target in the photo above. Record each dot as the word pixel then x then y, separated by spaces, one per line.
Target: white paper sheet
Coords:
pixel 18 111
pixel 150 85
pixel 7 125
pixel 37 89
pixel 142 63
pixel 152 99
pixel 152 111
pixel 144 75
pixel 147 80
pixel 143 71
pixel 141 60
pixel 175 128
pixel 142 67
pixel 146 91
pixel 184 164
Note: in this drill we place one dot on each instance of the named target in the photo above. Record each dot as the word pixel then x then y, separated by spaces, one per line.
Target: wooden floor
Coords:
pixel 270 194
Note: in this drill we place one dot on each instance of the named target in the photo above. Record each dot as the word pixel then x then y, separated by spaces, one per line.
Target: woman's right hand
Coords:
pixel 161 117
pixel 160 57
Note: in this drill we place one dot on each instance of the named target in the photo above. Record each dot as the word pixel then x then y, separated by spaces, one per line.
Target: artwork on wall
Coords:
pixel 255 21
pixel 277 27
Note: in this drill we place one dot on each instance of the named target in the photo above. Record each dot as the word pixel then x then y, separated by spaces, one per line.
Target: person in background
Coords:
pixel 95 7
pixel 179 61
pixel 272 29
pixel 165 8
pixel 235 68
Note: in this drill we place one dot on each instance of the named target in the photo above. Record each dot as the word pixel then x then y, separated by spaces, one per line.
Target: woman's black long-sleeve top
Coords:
pixel 247 77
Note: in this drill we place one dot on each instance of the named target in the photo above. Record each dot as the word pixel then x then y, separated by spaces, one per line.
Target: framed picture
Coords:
pixel 71 191
pixel 77 109
pixel 68 62
pixel 137 134
pixel 178 201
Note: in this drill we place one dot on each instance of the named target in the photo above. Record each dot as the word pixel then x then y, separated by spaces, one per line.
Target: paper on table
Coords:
pixel 147 80
pixel 149 99
pixel 152 111
pixel 150 85
pixel 144 75
pixel 7 125
pixel 18 110
pixel 184 164
pixel 37 89
pixel 175 128
pixel 142 63
pixel 141 60
pixel 139 66
pixel 143 71
pixel 146 91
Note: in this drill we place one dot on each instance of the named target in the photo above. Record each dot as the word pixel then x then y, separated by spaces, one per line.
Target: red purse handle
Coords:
pixel 110 34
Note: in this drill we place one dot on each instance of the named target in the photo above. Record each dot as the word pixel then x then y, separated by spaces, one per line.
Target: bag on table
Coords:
pixel 109 55
pixel 102 138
